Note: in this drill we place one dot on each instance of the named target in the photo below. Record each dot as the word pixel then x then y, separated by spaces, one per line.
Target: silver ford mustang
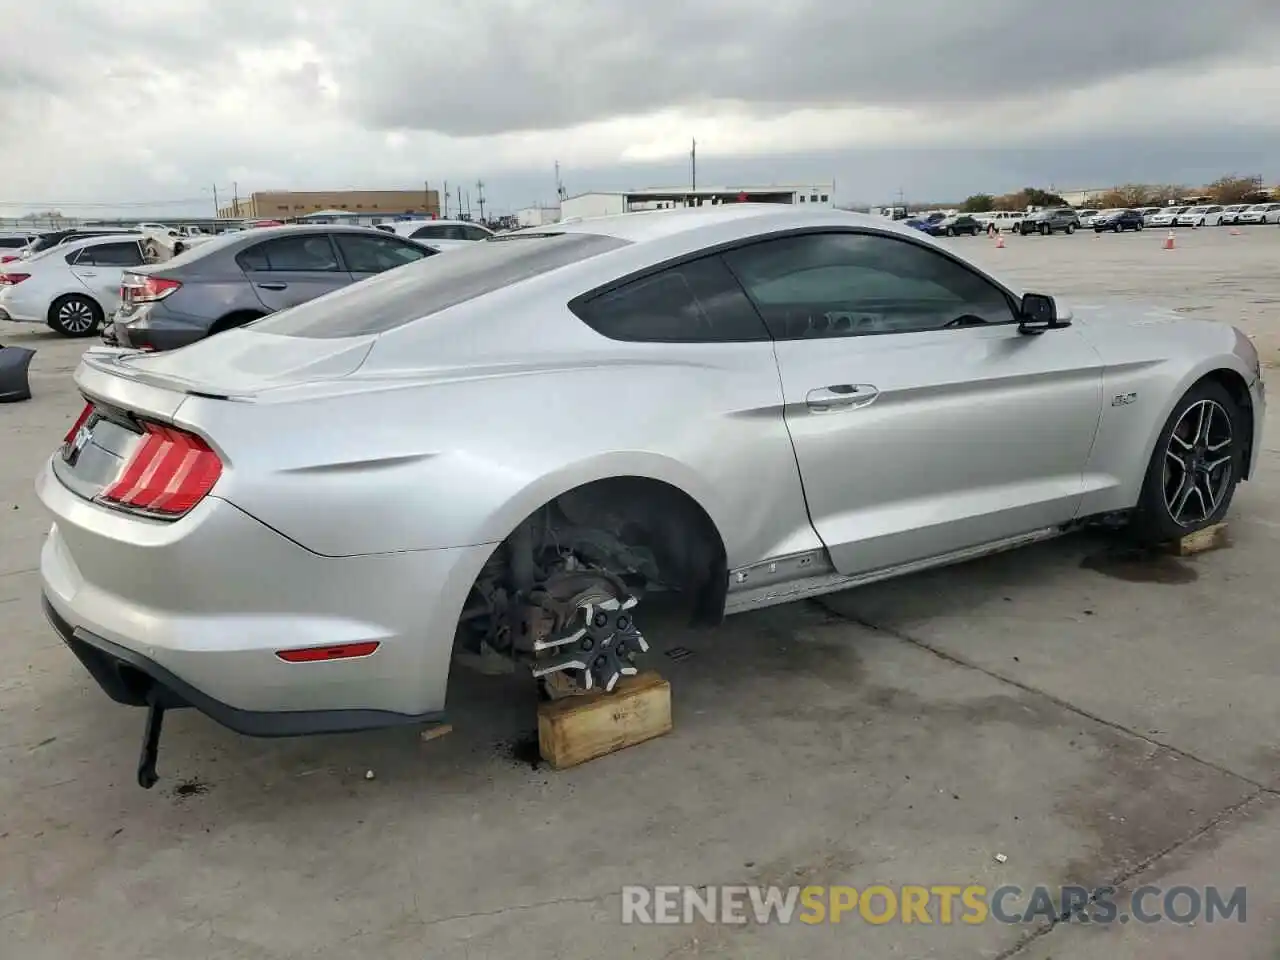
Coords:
pixel 493 457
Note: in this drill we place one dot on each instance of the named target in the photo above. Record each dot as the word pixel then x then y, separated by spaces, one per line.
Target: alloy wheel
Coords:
pixel 75 316
pixel 1198 463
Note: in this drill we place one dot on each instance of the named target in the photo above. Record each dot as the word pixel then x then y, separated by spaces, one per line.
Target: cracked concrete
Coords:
pixel 1094 721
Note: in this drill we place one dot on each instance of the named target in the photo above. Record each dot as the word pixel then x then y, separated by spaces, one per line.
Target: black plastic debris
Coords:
pixel 14 384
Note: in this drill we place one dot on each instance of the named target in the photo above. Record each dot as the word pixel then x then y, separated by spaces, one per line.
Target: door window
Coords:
pixel 369 253
pixel 125 254
pixel 695 302
pixel 472 232
pixel 848 285
pixel 308 253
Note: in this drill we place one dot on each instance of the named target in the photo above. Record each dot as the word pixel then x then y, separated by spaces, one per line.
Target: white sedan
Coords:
pixel 1206 216
pixel 1165 218
pixel 441 235
pixel 1260 213
pixel 72 287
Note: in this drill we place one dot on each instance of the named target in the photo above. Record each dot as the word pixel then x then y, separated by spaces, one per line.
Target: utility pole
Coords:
pixel 445 211
pixel 426 197
pixel 459 201
pixel 215 201
pixel 693 165
pixel 560 190
pixel 235 199
pixel 480 198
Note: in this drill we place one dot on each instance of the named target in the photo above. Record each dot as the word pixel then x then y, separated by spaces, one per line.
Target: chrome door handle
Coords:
pixel 274 285
pixel 841 395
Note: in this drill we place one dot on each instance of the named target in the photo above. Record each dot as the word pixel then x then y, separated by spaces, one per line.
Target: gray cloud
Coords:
pixel 489 67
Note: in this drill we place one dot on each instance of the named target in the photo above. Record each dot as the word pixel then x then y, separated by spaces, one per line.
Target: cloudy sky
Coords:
pixel 156 102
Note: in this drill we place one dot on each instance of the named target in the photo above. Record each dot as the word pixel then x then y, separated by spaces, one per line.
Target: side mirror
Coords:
pixel 1038 312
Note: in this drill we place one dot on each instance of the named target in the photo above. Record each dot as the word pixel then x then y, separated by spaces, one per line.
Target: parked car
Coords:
pixel 1166 216
pixel 1051 220
pixel 1000 219
pixel 1149 212
pixel 959 225
pixel 234 279
pixel 916 223
pixel 1117 221
pixel 440 235
pixel 71 287
pixel 1201 216
pixel 1260 213
pixel 1084 218
pixel 1229 214
pixel 296 526
pixel 12 245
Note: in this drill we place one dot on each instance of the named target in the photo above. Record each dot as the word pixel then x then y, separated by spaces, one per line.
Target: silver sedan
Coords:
pixel 493 457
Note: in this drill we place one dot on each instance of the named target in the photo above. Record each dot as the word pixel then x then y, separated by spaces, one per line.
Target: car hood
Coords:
pixel 1126 329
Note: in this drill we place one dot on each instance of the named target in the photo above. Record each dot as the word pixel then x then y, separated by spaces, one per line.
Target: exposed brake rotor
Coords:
pixel 590 640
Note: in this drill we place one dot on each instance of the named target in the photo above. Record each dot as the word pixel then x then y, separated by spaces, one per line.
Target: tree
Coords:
pixel 1042 198
pixel 978 203
pixel 1237 189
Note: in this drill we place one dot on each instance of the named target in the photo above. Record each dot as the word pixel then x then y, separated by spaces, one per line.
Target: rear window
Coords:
pixel 417 290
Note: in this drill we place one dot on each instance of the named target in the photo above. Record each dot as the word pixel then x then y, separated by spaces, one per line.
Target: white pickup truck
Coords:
pixel 161 242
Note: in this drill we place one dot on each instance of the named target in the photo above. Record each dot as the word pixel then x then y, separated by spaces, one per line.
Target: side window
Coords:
pixel 695 302
pixel 471 232
pixel 848 285
pixel 308 253
pixel 367 253
pixel 436 232
pixel 111 255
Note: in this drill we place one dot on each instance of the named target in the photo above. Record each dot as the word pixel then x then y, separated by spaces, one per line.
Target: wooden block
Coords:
pixel 436 731
pixel 578 729
pixel 1210 538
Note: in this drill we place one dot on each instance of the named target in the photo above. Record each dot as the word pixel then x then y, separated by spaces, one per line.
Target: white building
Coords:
pixel 608 204
pixel 537 216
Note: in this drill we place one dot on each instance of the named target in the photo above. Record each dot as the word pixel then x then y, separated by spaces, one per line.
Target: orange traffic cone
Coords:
pixel 1168 241
pixel 999 241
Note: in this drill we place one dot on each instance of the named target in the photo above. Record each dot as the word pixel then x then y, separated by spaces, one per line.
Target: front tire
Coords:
pixel 74 315
pixel 1195 467
pixel 1071 228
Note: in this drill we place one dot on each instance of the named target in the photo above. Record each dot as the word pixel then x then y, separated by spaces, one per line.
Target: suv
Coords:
pixel 1056 219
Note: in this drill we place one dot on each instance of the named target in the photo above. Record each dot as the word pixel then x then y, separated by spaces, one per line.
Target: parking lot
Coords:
pixel 1065 714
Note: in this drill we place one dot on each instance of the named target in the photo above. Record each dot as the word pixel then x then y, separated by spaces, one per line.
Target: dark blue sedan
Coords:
pixel 1117 221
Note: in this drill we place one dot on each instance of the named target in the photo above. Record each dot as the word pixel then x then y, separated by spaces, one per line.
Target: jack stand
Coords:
pixel 150 744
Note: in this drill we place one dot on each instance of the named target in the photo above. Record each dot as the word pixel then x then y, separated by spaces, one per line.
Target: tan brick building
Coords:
pixel 281 204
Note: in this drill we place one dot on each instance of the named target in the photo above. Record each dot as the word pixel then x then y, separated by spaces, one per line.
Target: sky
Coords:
pixel 112 106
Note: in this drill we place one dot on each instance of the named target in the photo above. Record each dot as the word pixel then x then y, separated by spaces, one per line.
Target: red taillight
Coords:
pixel 75 427
pixel 342 651
pixel 169 473
pixel 8 257
pixel 135 288
pixel 12 279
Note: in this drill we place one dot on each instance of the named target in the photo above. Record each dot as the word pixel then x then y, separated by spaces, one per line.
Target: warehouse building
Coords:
pixel 283 204
pixel 607 204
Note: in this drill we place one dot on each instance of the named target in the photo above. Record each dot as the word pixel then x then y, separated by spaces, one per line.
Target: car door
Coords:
pixel 289 270
pixel 369 254
pixel 101 266
pixel 923 421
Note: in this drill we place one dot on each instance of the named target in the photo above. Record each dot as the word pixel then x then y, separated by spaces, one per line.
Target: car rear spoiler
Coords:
pixel 105 376
pixel 15 385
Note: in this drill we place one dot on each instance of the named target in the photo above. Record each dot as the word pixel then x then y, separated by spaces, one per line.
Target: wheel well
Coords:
pixel 1238 388
pixel 644 522
pixel 237 319
pixel 53 305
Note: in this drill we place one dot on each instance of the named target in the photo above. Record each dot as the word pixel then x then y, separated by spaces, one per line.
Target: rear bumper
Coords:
pixel 200 606
pixel 129 678
pixel 147 337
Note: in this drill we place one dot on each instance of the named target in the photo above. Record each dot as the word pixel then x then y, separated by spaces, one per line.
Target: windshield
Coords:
pixel 1197 210
pixel 417 290
pixel 1261 206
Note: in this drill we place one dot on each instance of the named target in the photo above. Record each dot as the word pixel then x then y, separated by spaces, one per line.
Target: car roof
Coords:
pixel 97 238
pixel 646 225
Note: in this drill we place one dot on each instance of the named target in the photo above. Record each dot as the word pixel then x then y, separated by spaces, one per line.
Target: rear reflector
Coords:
pixel 344 651
pixel 169 473
pixel 12 279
